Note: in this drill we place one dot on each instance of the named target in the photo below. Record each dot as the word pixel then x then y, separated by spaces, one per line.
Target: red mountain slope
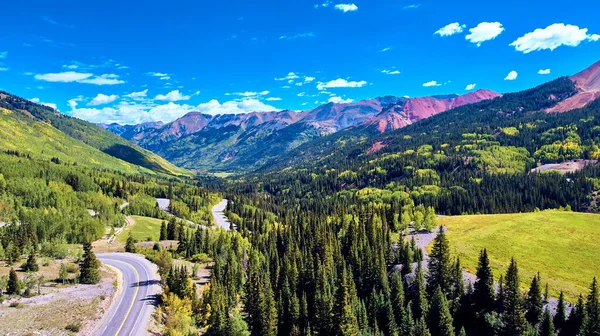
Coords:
pixel 588 85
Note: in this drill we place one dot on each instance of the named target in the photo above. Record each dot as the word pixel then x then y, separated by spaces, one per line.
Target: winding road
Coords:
pixel 131 314
pixel 219 215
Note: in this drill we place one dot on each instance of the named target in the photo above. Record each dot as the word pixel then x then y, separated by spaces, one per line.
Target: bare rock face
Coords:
pixel 415 109
pixel 587 83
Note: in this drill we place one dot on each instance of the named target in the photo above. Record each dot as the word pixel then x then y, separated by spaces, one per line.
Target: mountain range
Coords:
pixel 267 140
pixel 233 142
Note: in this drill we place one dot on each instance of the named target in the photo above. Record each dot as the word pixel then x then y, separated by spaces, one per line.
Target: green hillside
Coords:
pixel 29 118
pixel 552 242
pixel 41 140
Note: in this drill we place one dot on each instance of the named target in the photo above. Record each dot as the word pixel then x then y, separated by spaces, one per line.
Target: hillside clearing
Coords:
pixel 142 229
pixel 555 243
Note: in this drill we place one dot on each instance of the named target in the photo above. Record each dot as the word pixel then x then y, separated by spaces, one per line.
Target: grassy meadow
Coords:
pixel 144 228
pixel 563 246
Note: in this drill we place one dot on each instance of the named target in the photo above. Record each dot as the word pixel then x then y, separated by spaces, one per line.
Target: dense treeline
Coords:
pixel 52 203
pixel 289 272
pixel 472 159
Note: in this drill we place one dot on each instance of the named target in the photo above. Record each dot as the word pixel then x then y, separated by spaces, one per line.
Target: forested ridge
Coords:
pixel 30 113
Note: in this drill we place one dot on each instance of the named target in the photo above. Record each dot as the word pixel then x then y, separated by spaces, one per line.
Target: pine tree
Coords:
pixel 462 332
pixel 397 298
pixel 236 326
pixel 12 287
pixel 171 228
pixel 483 290
pixel 591 319
pixel 440 320
pixel 130 244
pixel 407 326
pixel 576 318
pixel 561 312
pixel 421 328
pixel 89 268
pixel 534 302
pixel 514 319
pixel 457 287
pixel 346 322
pixel 420 304
pixel 546 325
pixel 573 325
pixel 440 267
pixel 31 264
pixel 163 231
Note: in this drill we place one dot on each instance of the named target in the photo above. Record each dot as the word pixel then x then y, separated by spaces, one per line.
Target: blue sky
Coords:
pixel 130 62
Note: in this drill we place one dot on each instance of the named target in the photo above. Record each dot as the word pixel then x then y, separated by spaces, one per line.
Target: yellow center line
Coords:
pixel 137 288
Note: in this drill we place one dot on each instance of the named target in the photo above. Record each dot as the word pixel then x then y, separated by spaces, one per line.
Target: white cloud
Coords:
pixel 172 96
pixel 290 76
pixel 484 31
pixel 165 77
pixel 340 83
pixel 106 79
pixel 544 72
pixel 308 79
pixel 415 6
pixel 552 37
pixel 3 69
pixel 3 54
pixel 325 4
pixel 156 74
pixel 299 84
pixel 340 100
pixel 470 87
pixel 73 102
pixel 347 7
pixel 249 94
pixel 432 83
pixel 102 99
pixel 236 107
pixel 78 77
pixel 301 94
pixel 63 77
pixel 512 75
pixel 38 101
pixel 451 29
pixel 273 99
pixel 297 36
pixel 390 72
pixel 140 94
pixel 70 66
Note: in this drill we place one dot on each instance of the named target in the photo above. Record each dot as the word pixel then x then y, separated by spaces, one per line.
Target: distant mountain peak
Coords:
pixel 412 110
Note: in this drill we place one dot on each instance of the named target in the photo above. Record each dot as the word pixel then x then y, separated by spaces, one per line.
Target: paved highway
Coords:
pixel 219 216
pixel 135 306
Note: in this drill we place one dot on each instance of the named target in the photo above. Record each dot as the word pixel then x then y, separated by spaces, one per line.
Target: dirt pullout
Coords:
pixel 58 307
pixel 564 167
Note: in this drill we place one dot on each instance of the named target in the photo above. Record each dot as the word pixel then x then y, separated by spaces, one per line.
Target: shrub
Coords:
pixel 15 304
pixel 73 327
pixel 72 268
